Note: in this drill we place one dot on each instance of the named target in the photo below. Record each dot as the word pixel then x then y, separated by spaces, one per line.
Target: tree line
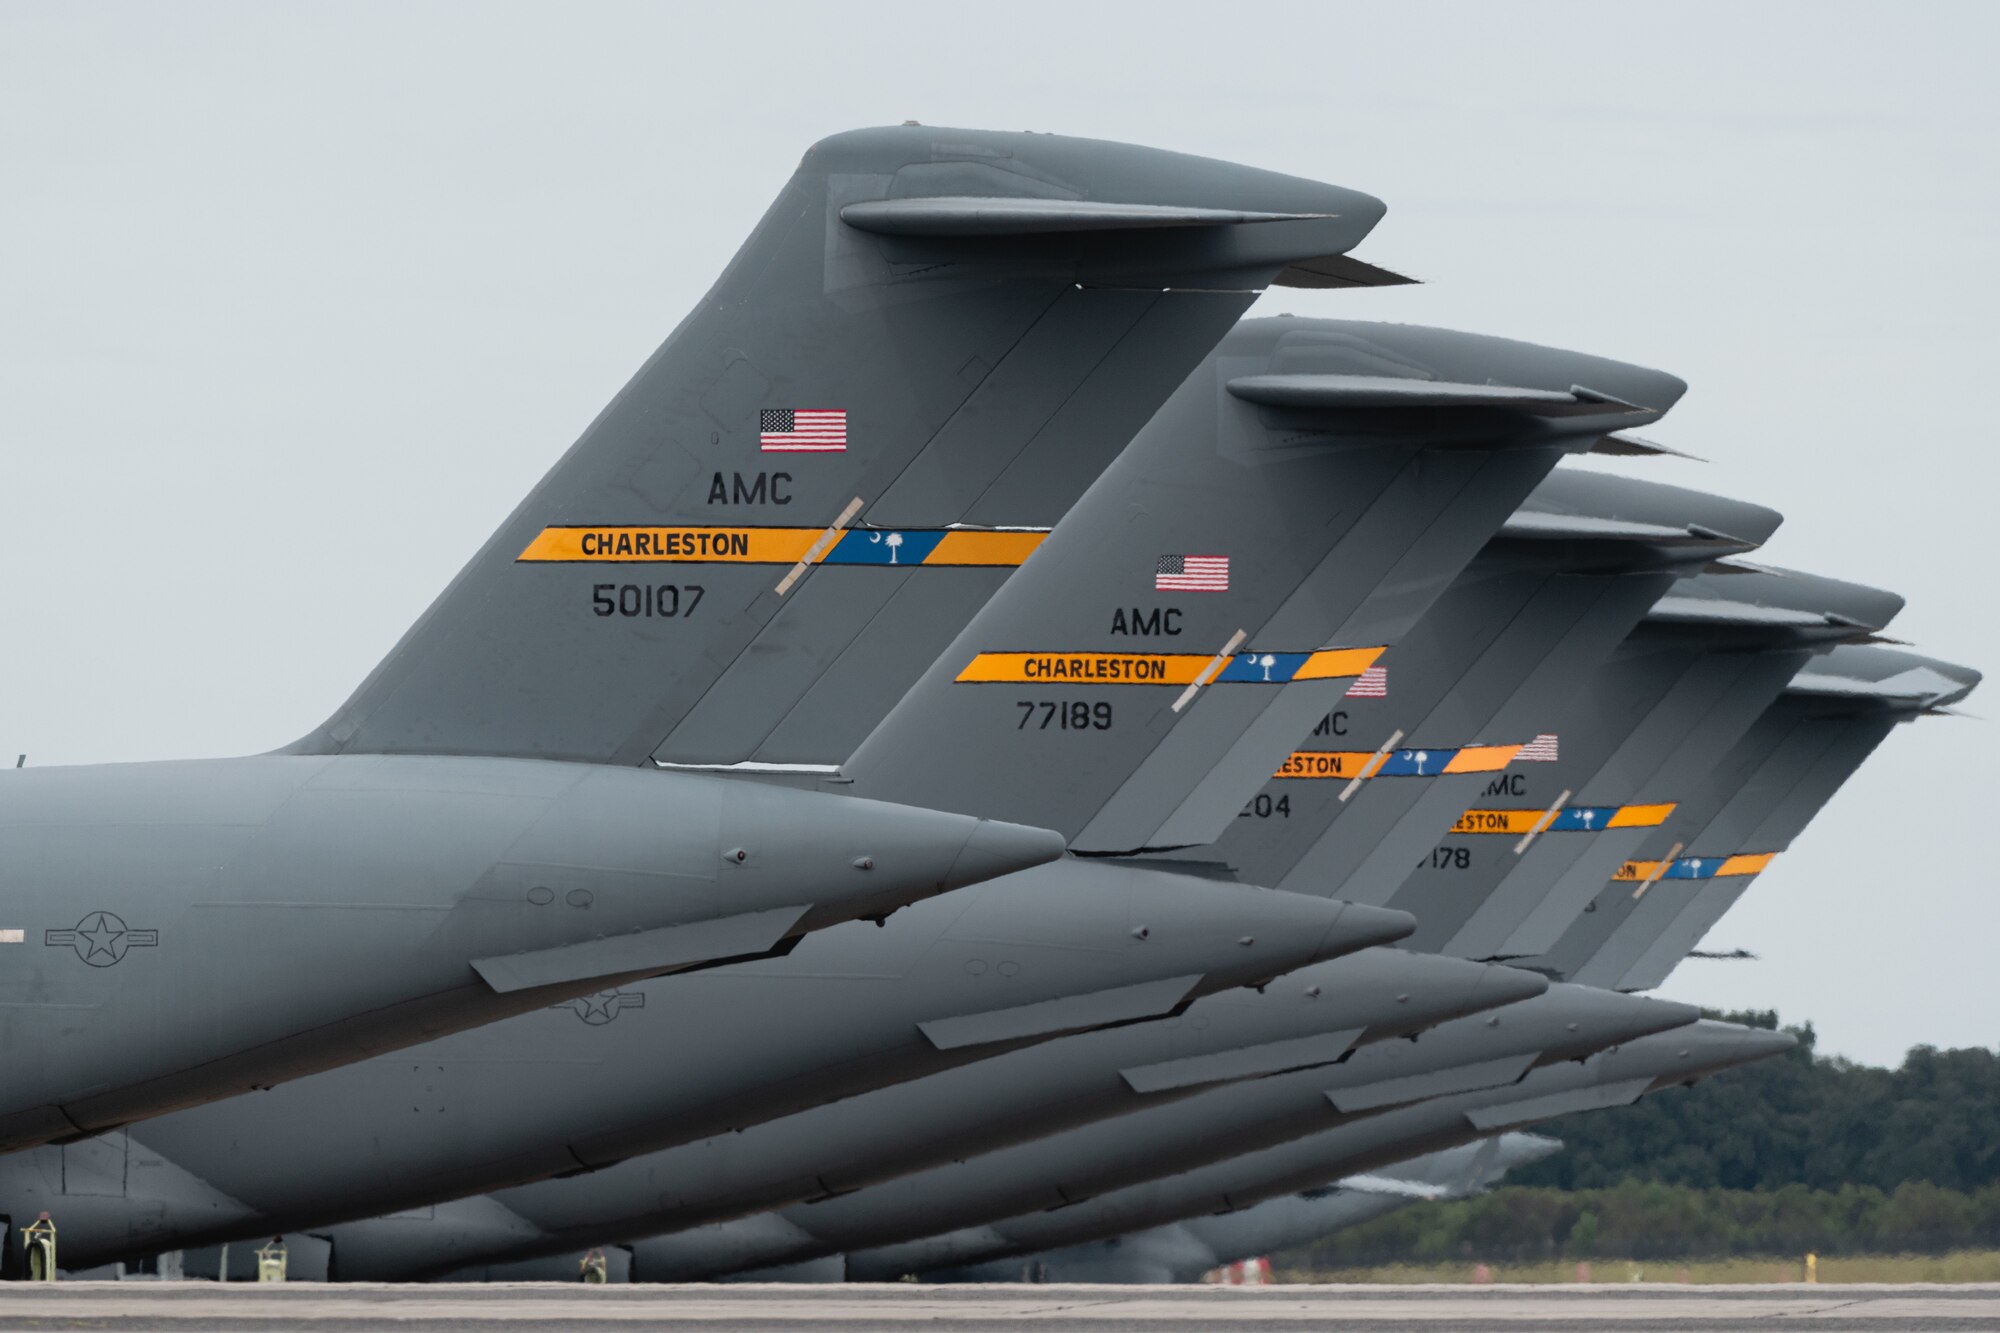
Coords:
pixel 1800 1119
pixel 1802 1152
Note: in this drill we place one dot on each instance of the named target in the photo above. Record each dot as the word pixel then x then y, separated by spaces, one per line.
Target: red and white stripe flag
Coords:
pixel 1242 1273
pixel 1370 684
pixel 1192 573
pixel 1544 749
pixel 802 430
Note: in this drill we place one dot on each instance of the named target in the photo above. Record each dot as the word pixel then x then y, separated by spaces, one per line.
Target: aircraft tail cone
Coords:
pixel 998 848
pixel 1710 1045
pixel 1260 934
pixel 1357 926
pixel 1507 985
pixel 862 859
pixel 1662 1015
pixel 1594 1020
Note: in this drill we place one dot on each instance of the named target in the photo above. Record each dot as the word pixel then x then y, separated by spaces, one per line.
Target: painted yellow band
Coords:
pixel 1336 663
pixel 1346 764
pixel 1141 668
pixel 1086 668
pixel 985 548
pixel 1498 821
pixel 1323 763
pixel 1748 863
pixel 1482 758
pixel 1640 816
pixel 624 545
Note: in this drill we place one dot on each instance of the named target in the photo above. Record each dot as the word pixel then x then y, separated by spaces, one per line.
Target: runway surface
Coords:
pixel 974 1309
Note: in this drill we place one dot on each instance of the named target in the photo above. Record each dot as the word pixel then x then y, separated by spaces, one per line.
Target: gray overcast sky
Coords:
pixel 296 301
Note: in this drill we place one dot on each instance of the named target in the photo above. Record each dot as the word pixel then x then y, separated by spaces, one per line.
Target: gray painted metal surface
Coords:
pixel 1807 743
pixel 1483 1051
pixel 680 1058
pixel 1313 1016
pixel 1184 1251
pixel 950 375
pixel 1613 1077
pixel 206 927
pixel 895 372
pixel 1021 1096
pixel 1321 535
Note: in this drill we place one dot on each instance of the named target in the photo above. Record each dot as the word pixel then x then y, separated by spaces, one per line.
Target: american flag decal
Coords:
pixel 1370 684
pixel 1544 749
pixel 802 430
pixel 1192 573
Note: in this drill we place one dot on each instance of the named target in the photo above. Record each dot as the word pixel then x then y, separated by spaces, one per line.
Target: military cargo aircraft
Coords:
pixel 1480 1052
pixel 1616 529
pixel 1655 721
pixel 477 832
pixel 1831 717
pixel 1613 1077
pixel 1185 1251
pixel 1399 475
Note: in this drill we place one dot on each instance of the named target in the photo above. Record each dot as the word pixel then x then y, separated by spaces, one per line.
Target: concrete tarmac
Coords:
pixel 509 1307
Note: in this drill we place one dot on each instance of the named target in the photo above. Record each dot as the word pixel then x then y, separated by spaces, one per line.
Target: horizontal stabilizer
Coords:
pixel 1351 391
pixel 643 951
pixel 1340 271
pixel 1732 566
pixel 999 215
pixel 1714 611
pixel 1778 603
pixel 1071 1013
pixel 1631 446
pixel 1537 1109
pixel 1919 687
pixel 1271 1057
pixel 1530 525
pixel 1622 522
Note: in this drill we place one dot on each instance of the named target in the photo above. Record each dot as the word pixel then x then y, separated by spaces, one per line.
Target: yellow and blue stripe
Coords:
pixel 595 543
pixel 1571 819
pixel 1098 668
pixel 1422 763
pixel 1697 867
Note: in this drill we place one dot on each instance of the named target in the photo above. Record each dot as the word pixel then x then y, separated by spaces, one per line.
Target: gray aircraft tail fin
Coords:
pixel 1383 776
pixel 1675 695
pixel 929 330
pixel 1293 508
pixel 1808 742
